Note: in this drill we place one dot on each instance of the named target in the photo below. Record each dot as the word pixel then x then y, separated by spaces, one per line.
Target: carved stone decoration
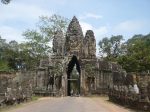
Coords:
pixel 58 43
pixel 89 45
pixel 85 48
pixel 74 38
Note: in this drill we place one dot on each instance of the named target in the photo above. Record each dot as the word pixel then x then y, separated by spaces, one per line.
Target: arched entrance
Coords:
pixel 73 79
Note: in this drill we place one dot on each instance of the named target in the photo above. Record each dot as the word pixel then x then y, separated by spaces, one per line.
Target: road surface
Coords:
pixel 70 104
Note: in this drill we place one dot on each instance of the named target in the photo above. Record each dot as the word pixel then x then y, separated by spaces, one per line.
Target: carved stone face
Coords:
pixel 58 43
pixel 73 43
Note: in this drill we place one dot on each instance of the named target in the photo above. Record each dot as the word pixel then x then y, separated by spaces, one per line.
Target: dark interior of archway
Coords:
pixel 74 61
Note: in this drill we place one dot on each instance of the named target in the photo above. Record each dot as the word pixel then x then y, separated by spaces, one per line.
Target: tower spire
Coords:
pixel 74 37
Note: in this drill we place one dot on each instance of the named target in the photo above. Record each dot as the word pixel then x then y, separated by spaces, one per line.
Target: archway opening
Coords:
pixel 73 77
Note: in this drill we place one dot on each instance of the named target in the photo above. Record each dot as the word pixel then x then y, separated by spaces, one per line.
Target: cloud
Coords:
pixel 101 31
pixel 86 26
pixel 47 2
pixel 98 31
pixel 129 26
pixel 10 33
pixel 90 15
pixel 18 11
pixel 17 17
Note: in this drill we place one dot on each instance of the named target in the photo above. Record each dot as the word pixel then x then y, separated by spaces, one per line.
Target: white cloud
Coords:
pixel 45 2
pixel 99 32
pixel 10 33
pixel 86 26
pixel 22 12
pixel 129 26
pixel 17 17
pixel 90 15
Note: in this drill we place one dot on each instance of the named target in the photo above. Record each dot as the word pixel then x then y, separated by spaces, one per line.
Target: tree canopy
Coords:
pixel 5 1
pixel 37 44
pixel 137 57
pixel 38 41
pixel 111 48
pixel 133 55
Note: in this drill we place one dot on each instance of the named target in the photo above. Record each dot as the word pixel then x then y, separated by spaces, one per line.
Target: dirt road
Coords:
pixel 71 104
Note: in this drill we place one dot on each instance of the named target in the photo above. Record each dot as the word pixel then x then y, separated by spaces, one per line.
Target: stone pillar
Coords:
pixel 64 85
pixel 82 82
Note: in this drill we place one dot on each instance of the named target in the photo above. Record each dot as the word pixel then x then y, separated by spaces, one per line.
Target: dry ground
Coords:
pixel 70 104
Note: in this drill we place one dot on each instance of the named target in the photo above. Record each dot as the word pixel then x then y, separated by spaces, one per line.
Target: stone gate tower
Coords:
pixel 76 51
pixel 74 39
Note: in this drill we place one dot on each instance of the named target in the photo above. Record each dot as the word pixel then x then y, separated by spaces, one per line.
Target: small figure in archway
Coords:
pixel 50 81
pixel 71 92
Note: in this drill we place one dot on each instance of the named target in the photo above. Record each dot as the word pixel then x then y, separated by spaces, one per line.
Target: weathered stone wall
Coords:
pixel 5 80
pixel 16 87
pixel 132 89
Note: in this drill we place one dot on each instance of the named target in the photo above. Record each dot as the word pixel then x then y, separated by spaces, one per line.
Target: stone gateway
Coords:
pixel 73 67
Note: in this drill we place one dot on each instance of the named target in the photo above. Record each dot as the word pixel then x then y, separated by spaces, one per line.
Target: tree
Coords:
pixel 50 25
pixel 3 62
pixel 5 1
pixel 137 57
pixel 12 54
pixel 9 52
pixel 35 48
pixel 37 44
pixel 111 48
pixel 133 55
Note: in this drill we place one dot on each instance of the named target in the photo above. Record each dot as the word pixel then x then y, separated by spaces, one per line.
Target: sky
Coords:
pixel 104 17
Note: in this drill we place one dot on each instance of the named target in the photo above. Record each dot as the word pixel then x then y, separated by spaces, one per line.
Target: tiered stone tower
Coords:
pixel 89 48
pixel 74 51
pixel 74 38
pixel 75 43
